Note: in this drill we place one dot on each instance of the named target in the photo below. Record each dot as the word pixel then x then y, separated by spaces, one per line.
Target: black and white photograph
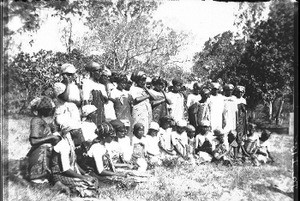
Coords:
pixel 149 100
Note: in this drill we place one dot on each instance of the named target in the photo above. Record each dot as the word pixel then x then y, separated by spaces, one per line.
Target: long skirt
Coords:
pixel 77 185
pixel 98 101
pixel 159 111
pixel 142 113
pixel 38 162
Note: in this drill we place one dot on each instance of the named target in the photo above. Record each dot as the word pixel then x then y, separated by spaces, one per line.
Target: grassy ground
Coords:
pixel 180 181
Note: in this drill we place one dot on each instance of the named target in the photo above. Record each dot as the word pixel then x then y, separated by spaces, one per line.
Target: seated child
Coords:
pixel 179 138
pixel 263 153
pixel 204 144
pixel 251 144
pixel 138 159
pixel 115 147
pixel 164 134
pixel 88 127
pixel 153 151
pixel 125 142
pixel 220 152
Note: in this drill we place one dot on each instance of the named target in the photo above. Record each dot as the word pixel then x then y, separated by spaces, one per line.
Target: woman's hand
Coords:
pixel 55 140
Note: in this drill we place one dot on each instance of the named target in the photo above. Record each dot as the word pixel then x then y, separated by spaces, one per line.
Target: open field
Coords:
pixel 180 181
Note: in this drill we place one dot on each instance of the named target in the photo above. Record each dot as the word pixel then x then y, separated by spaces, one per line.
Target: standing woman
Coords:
pixel 94 93
pixel 142 110
pixel 159 106
pixel 122 100
pixel 41 140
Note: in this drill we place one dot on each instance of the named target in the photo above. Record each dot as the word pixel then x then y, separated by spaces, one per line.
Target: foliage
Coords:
pixel 28 76
pixel 263 61
pixel 129 36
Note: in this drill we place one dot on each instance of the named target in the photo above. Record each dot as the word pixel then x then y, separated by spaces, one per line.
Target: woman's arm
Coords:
pixel 53 139
pixel 140 99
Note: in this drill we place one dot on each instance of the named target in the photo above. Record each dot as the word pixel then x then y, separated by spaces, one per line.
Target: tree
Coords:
pixel 126 32
pixel 263 61
pixel 270 57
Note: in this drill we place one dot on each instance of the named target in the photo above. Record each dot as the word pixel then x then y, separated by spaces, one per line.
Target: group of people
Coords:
pixel 115 125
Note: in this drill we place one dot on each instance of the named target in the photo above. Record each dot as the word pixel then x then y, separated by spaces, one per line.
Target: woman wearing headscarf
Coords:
pixel 142 110
pixel 94 93
pixel 65 111
pixel 159 105
pixel 41 140
pixel 69 79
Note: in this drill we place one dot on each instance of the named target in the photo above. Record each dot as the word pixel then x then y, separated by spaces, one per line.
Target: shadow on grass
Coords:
pixel 262 188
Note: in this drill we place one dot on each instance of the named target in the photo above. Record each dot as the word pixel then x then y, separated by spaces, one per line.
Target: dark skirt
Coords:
pixel 159 111
pixel 241 125
pixel 98 101
pixel 38 162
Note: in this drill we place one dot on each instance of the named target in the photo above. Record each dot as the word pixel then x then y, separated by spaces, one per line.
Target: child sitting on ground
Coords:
pixel 139 148
pixel 250 145
pixel 220 151
pixel 153 151
pixel 179 138
pixel 263 153
pixel 164 134
pixel 204 141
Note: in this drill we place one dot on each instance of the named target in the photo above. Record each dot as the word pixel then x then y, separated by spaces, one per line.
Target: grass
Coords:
pixel 179 181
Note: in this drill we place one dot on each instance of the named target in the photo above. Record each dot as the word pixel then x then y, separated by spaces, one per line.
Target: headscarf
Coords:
pixel 106 71
pixel 88 109
pixel 177 81
pixel 68 68
pixel 43 102
pixel 93 66
pixel 138 126
pixel 117 124
pixel 105 129
pixel 59 88
pixel 228 87
pixel 240 88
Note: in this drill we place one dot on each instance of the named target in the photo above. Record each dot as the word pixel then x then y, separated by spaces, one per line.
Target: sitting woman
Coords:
pixel 41 140
pixel 65 169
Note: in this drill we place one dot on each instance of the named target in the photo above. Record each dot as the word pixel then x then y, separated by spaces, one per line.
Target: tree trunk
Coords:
pixel 277 117
pixel 270 110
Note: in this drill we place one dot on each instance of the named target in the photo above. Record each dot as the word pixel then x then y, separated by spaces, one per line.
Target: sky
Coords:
pixel 200 19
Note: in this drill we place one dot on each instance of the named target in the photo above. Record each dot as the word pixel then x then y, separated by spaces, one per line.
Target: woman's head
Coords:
pixel 177 85
pixel 165 122
pixel 138 130
pixel 205 93
pixel 158 84
pixel 122 81
pixel 219 135
pixel 88 111
pixel 228 89
pixel 106 132
pixel 126 123
pixel 265 135
pixel 190 130
pixel 153 129
pixel 42 106
pixel 196 88
pixel 119 127
pixel 181 126
pixel 239 91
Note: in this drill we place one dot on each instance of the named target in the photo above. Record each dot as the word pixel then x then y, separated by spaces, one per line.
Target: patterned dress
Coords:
pixel 39 156
pixel 160 110
pixel 141 112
